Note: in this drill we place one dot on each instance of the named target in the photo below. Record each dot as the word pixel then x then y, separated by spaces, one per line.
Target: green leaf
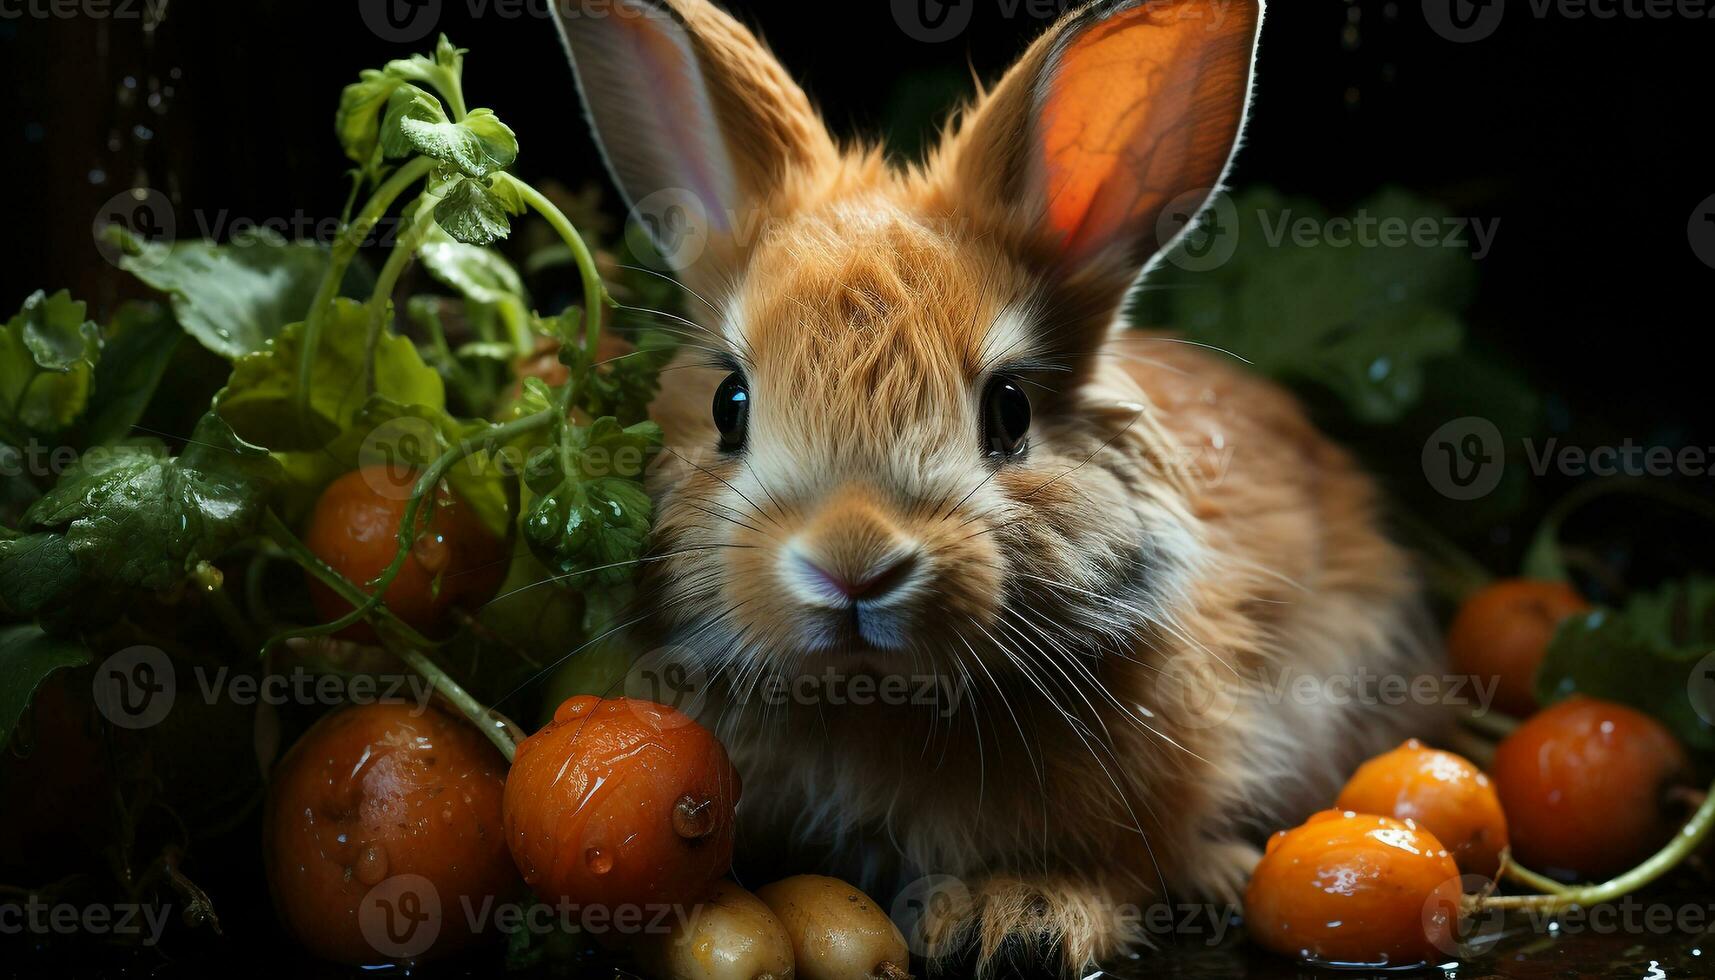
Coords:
pixel 232 298
pixel 35 570
pixel 417 123
pixel 358 121
pixel 594 519
pixel 1643 656
pixel 48 353
pixel 443 72
pixel 260 399
pixel 136 517
pixel 480 275
pixel 473 214
pixel 1359 320
pixel 140 344
pixel 27 657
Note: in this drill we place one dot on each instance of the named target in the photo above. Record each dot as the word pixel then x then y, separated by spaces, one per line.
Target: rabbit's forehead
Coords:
pixel 869 290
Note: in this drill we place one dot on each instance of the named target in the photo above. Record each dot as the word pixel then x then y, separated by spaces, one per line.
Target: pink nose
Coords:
pixel 870 584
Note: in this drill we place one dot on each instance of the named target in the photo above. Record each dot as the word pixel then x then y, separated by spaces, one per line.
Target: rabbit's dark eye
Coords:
pixel 1006 417
pixel 732 411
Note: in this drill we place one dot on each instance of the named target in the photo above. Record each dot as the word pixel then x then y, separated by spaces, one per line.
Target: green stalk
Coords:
pixel 404 250
pixel 344 250
pixel 595 294
pixel 1689 839
pixel 496 729
pixel 300 553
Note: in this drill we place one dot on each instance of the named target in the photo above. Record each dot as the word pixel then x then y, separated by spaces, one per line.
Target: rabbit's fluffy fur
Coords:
pixel 1113 607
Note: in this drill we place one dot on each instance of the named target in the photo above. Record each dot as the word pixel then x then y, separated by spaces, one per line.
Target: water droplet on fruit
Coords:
pixel 693 820
pixel 599 862
pixel 372 864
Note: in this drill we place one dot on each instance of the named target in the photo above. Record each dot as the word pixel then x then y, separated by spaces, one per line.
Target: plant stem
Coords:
pixel 496 729
pixel 595 294
pixel 404 250
pixel 344 250
pixel 1690 837
pixel 306 559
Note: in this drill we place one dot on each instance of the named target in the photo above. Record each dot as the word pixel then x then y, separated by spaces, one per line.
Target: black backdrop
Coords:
pixel 1586 137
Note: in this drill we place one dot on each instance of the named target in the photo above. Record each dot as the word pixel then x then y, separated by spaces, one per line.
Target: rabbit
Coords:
pixel 907 437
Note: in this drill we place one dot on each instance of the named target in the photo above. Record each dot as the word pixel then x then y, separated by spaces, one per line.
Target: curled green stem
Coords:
pixel 344 250
pixel 1690 837
pixel 595 294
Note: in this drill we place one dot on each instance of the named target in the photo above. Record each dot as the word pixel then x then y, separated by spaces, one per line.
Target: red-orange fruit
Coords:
pixel 1355 889
pixel 1502 631
pixel 1583 784
pixel 1442 793
pixel 455 561
pixel 383 826
pixel 623 804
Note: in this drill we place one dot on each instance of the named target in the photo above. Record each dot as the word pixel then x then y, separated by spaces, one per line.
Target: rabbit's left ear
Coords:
pixel 1112 131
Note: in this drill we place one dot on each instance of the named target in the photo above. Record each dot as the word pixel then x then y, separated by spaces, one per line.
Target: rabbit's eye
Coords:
pixel 1006 417
pixel 732 411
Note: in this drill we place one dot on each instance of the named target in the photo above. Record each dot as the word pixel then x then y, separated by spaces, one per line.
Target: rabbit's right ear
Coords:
pixel 690 109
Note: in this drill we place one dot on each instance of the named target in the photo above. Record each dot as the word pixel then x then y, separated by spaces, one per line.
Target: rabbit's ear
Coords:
pixel 1112 131
pixel 684 100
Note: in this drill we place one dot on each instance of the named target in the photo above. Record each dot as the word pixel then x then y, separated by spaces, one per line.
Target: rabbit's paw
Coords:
pixel 1055 923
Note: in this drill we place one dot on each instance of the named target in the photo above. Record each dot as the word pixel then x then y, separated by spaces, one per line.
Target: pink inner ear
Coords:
pixel 1139 109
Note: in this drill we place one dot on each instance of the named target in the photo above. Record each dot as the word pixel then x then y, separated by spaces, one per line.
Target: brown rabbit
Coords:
pixel 933 454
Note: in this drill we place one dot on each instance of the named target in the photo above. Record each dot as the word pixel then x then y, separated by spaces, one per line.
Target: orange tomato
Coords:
pixel 621 803
pixel 1443 793
pixel 1502 632
pixel 1355 889
pixel 355 528
pixel 1582 784
pixel 382 822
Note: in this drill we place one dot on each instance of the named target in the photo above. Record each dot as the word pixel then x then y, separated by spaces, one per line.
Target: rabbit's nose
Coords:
pixel 844 586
